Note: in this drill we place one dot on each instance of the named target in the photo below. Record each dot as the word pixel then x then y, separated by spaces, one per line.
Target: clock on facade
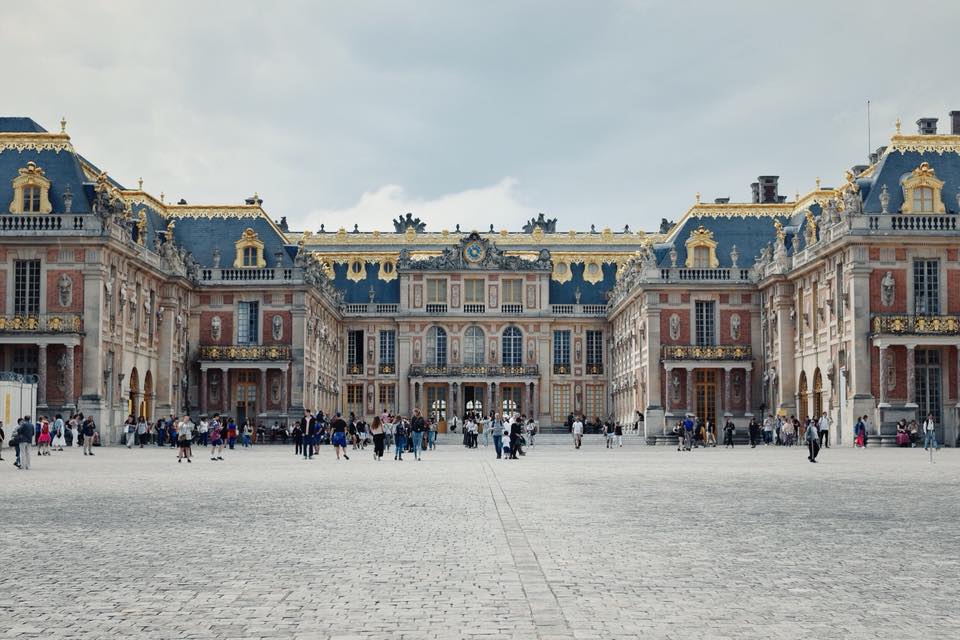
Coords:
pixel 473 252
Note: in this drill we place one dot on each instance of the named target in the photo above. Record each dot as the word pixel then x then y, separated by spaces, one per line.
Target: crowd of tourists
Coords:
pixel 509 433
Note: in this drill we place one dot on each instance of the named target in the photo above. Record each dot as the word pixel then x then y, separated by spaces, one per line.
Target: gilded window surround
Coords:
pixel 922 176
pixel 699 238
pixel 248 240
pixel 31 176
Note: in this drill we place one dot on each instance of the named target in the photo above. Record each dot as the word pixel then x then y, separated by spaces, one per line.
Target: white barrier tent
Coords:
pixel 18 397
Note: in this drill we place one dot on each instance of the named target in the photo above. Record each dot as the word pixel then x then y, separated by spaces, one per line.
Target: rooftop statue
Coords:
pixel 541 222
pixel 401 224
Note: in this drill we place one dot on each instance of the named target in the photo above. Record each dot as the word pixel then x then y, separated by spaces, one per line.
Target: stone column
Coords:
pixel 668 371
pixel 529 402
pixel 690 390
pixel 727 388
pixel 884 373
pixel 225 389
pixel 262 400
pixel 748 392
pixel 493 397
pixel 69 397
pixel 41 376
pixel 203 391
pixel 911 376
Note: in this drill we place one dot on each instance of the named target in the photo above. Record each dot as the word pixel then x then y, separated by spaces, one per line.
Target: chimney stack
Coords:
pixel 755 191
pixel 765 189
pixel 927 126
pixel 955 123
pixel 721 200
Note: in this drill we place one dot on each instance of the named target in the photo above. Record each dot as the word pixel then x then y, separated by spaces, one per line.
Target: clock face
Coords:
pixel 473 252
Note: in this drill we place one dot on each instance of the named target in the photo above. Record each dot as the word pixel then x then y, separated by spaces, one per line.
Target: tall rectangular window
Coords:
pixel 26 289
pixel 594 352
pixel 512 291
pixel 354 349
pixel 388 397
pixel 798 313
pixel 355 399
pixel 436 290
pixel 838 295
pixel 562 405
pixel 248 323
pixel 473 291
pixel 926 287
pixel 388 347
pixel 25 360
pixel 152 315
pixel 815 316
pixel 706 335
pixel 594 404
pixel 31 199
pixel 561 351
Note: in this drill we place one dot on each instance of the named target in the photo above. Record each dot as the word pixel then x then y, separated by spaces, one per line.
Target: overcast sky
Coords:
pixel 609 113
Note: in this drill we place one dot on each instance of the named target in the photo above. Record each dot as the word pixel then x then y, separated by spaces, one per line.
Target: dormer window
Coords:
pixel 921 191
pixel 31 191
pixel 923 200
pixel 701 249
pixel 249 251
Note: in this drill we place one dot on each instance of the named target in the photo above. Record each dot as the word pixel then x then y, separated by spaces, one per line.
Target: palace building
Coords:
pixel 844 300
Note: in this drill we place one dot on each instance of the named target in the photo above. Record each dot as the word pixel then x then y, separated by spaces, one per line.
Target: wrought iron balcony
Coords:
pixel 354 368
pixel 595 369
pixel 473 371
pixel 387 368
pixel 917 325
pixel 251 352
pixel 42 323
pixel 699 352
pixel 560 368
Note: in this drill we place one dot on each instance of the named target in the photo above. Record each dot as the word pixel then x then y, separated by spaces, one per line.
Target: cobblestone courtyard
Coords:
pixel 563 544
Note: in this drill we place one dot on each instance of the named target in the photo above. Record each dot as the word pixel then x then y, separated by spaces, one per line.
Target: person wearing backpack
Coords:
pixel 930 433
pixel 88 429
pixel 399 438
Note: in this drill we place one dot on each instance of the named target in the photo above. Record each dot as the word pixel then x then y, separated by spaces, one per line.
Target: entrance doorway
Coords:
pixel 511 398
pixel 928 387
pixel 437 402
pixel 474 398
pixel 705 390
pixel 246 396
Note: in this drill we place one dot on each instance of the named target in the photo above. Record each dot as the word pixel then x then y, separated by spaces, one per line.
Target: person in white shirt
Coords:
pixel 185 439
pixel 930 433
pixel 577 432
pixel 823 426
pixel 203 430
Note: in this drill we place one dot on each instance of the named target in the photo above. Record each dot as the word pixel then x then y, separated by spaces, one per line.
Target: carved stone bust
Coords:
pixel 887 286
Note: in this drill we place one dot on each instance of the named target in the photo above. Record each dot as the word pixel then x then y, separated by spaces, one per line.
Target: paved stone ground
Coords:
pixel 640 541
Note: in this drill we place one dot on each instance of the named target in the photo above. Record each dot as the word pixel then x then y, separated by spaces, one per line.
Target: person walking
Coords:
pixel 399 438
pixel 216 439
pixel 377 431
pixel 930 433
pixel 813 442
pixel 25 436
pixel 496 425
pixel 58 428
pixel 309 434
pixel 486 426
pixel 577 428
pixel 297 438
pixel 417 427
pixel 339 440
pixel 516 432
pixel 432 435
pixel 142 429
pixel 728 430
pixel 688 425
pixel 231 433
pixel 44 439
pixel 88 429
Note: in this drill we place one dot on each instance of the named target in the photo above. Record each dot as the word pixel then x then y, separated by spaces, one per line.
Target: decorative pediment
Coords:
pixel 31 191
pixel 476 253
pixel 701 242
pixel 249 251
pixel 921 191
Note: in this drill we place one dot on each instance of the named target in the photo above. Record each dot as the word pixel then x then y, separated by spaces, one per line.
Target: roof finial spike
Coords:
pixel 796 197
pixel 140 183
pixel 63 124
pixel 897 124
pixel 818 183
pixel 161 196
pixel 698 197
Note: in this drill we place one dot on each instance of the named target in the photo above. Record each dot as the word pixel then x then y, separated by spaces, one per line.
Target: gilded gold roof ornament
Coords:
pixel 140 183
pixel 897 125
pixel 781 235
pixel 63 124
pixel 818 183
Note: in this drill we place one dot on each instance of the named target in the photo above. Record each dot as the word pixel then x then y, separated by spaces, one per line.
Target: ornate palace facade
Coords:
pixel 844 300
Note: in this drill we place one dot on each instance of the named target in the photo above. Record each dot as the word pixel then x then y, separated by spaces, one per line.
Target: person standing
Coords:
pixel 377 431
pixel 688 425
pixel 231 433
pixel 25 435
pixel 930 433
pixel 417 426
pixel 823 428
pixel 142 430
pixel 532 429
pixel 59 429
pixel 216 439
pixel 859 439
pixel 813 442
pixel 339 440
pixel 516 431
pixel 577 432
pixel 728 430
pixel 185 439
pixel 432 434
pixel 309 434
pixel 88 429
pixel 496 425
pixel 203 431
pixel 297 438
pixel 161 429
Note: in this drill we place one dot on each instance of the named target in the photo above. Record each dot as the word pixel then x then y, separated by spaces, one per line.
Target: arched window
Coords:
pixel 473 340
pixel 802 397
pixel 817 394
pixel 512 347
pixel 436 347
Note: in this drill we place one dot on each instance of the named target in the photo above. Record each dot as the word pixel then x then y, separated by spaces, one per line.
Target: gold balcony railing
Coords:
pixel 473 371
pixel 903 324
pixel 245 352
pixel 698 352
pixel 42 323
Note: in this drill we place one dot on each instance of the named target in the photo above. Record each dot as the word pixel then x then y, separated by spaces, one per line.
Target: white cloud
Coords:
pixel 499 204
